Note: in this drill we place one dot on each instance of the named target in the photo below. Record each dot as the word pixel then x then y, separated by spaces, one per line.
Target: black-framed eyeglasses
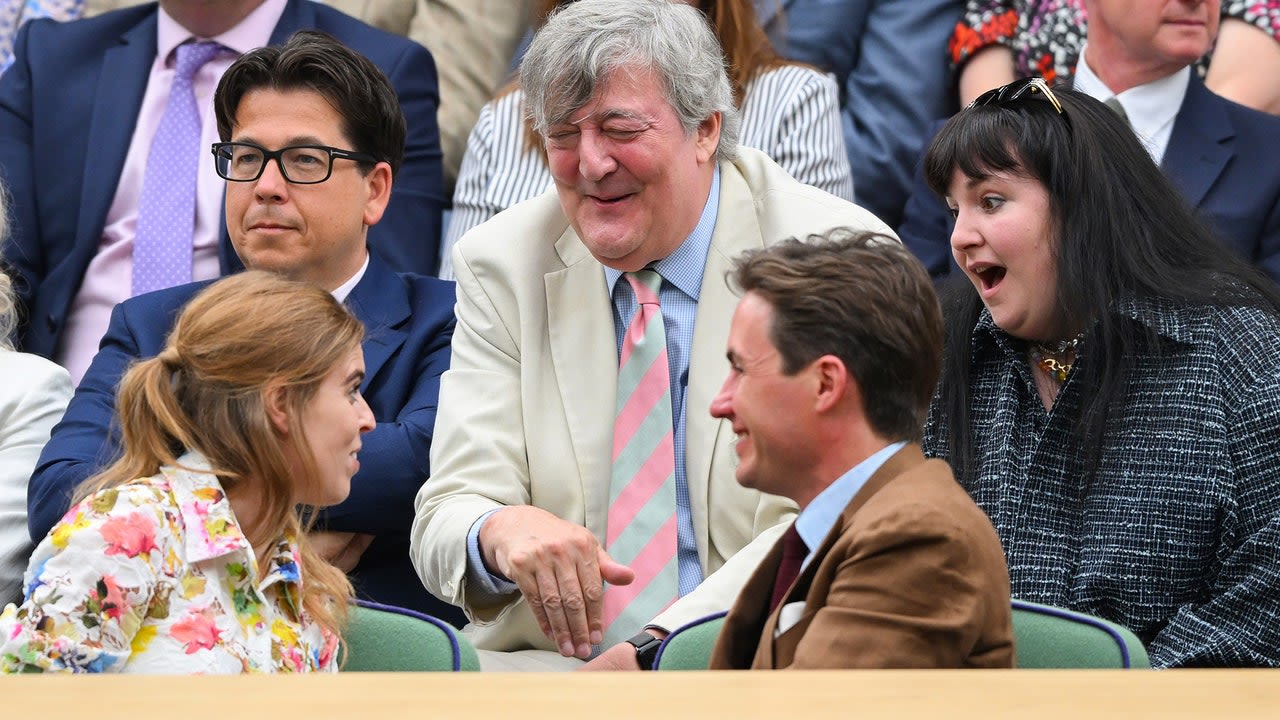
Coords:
pixel 299 164
pixel 1022 89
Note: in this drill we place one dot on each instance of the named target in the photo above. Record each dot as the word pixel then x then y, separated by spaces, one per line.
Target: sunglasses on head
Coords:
pixel 1029 88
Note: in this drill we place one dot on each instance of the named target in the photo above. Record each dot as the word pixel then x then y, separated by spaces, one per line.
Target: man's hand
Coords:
pixel 619 657
pixel 560 569
pixel 341 549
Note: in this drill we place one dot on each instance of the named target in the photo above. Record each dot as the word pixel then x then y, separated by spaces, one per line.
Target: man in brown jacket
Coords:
pixel 834 352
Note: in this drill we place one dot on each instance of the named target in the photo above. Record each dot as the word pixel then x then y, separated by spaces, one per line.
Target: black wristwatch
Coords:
pixel 646 647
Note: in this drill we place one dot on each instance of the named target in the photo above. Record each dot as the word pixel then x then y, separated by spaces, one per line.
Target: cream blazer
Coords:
pixel 526 408
pixel 33 396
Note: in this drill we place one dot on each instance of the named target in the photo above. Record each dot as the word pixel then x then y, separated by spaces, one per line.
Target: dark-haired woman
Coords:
pixel 1111 387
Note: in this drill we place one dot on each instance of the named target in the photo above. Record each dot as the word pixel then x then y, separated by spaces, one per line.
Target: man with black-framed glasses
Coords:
pixel 105 153
pixel 333 126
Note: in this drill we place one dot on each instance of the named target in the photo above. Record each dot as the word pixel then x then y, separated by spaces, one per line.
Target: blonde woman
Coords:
pixel 188 555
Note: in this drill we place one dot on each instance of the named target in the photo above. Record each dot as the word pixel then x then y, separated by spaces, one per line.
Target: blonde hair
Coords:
pixel 206 391
pixel 8 311
pixel 8 305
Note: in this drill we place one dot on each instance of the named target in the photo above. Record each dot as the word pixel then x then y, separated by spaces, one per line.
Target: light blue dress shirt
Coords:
pixel 818 517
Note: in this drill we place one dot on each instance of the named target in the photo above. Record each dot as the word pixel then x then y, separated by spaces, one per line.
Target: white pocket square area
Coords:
pixel 788 616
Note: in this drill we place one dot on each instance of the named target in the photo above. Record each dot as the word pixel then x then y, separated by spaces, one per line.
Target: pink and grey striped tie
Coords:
pixel 642 493
pixel 167 206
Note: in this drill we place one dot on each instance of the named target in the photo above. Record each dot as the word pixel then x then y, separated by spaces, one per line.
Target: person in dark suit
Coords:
pixel 314 131
pixel 834 352
pixel 889 59
pixel 1222 156
pixel 75 109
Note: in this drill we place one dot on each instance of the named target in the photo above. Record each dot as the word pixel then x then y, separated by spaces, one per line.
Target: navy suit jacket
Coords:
pixel 68 106
pixel 1224 157
pixel 409 326
pixel 890 60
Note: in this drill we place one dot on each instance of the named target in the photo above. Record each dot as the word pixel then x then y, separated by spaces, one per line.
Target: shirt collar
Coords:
pixel 820 515
pixel 684 267
pixel 342 291
pixel 254 31
pixel 211 527
pixel 1149 107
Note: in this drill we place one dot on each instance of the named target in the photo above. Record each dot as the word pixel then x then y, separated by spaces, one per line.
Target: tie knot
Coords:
pixel 193 55
pixel 1114 103
pixel 645 284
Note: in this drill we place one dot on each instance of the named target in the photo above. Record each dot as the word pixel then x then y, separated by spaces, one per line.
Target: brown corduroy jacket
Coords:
pixel 912 575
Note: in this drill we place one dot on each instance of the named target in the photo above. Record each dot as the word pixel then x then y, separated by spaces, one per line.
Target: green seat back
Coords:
pixel 382 638
pixel 1050 637
pixel 690 646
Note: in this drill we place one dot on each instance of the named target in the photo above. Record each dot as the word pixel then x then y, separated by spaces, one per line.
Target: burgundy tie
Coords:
pixel 794 552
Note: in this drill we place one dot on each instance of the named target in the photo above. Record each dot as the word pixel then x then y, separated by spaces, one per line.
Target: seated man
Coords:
pixel 315 138
pixel 544 445
pixel 99 217
pixel 834 352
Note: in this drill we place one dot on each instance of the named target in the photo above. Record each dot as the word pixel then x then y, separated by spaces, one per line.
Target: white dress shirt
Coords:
pixel 1151 108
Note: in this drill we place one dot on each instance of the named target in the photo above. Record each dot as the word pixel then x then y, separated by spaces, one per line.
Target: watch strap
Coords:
pixel 646 646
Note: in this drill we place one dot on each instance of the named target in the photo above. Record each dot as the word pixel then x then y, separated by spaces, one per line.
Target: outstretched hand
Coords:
pixel 560 569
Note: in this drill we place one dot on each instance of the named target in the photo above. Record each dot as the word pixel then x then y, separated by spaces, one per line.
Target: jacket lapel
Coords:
pixel 737 229
pixel 1201 144
pixel 583 351
pixel 378 301
pixel 741 646
pixel 122 83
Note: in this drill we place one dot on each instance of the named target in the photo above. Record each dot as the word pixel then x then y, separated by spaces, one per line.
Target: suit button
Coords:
pixel 52 320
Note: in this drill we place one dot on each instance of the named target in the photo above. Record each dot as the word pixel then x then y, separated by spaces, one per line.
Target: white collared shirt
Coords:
pixel 341 292
pixel 1151 108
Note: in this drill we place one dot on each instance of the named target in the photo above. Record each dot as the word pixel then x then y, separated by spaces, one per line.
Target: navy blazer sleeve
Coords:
pixel 86 439
pixel 408 236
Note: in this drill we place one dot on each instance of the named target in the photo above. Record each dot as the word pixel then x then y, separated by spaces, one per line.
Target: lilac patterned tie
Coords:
pixel 167 208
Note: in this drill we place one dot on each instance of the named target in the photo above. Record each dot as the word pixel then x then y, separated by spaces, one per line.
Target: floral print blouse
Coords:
pixel 1046 36
pixel 155 576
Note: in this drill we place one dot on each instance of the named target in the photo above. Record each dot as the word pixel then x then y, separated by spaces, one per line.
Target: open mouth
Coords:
pixel 989 276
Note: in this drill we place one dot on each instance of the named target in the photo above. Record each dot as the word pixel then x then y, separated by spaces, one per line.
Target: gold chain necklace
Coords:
pixel 1056 360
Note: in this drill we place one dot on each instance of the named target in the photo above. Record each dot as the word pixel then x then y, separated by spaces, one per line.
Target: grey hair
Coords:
pixel 8 306
pixel 8 314
pixel 584 42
